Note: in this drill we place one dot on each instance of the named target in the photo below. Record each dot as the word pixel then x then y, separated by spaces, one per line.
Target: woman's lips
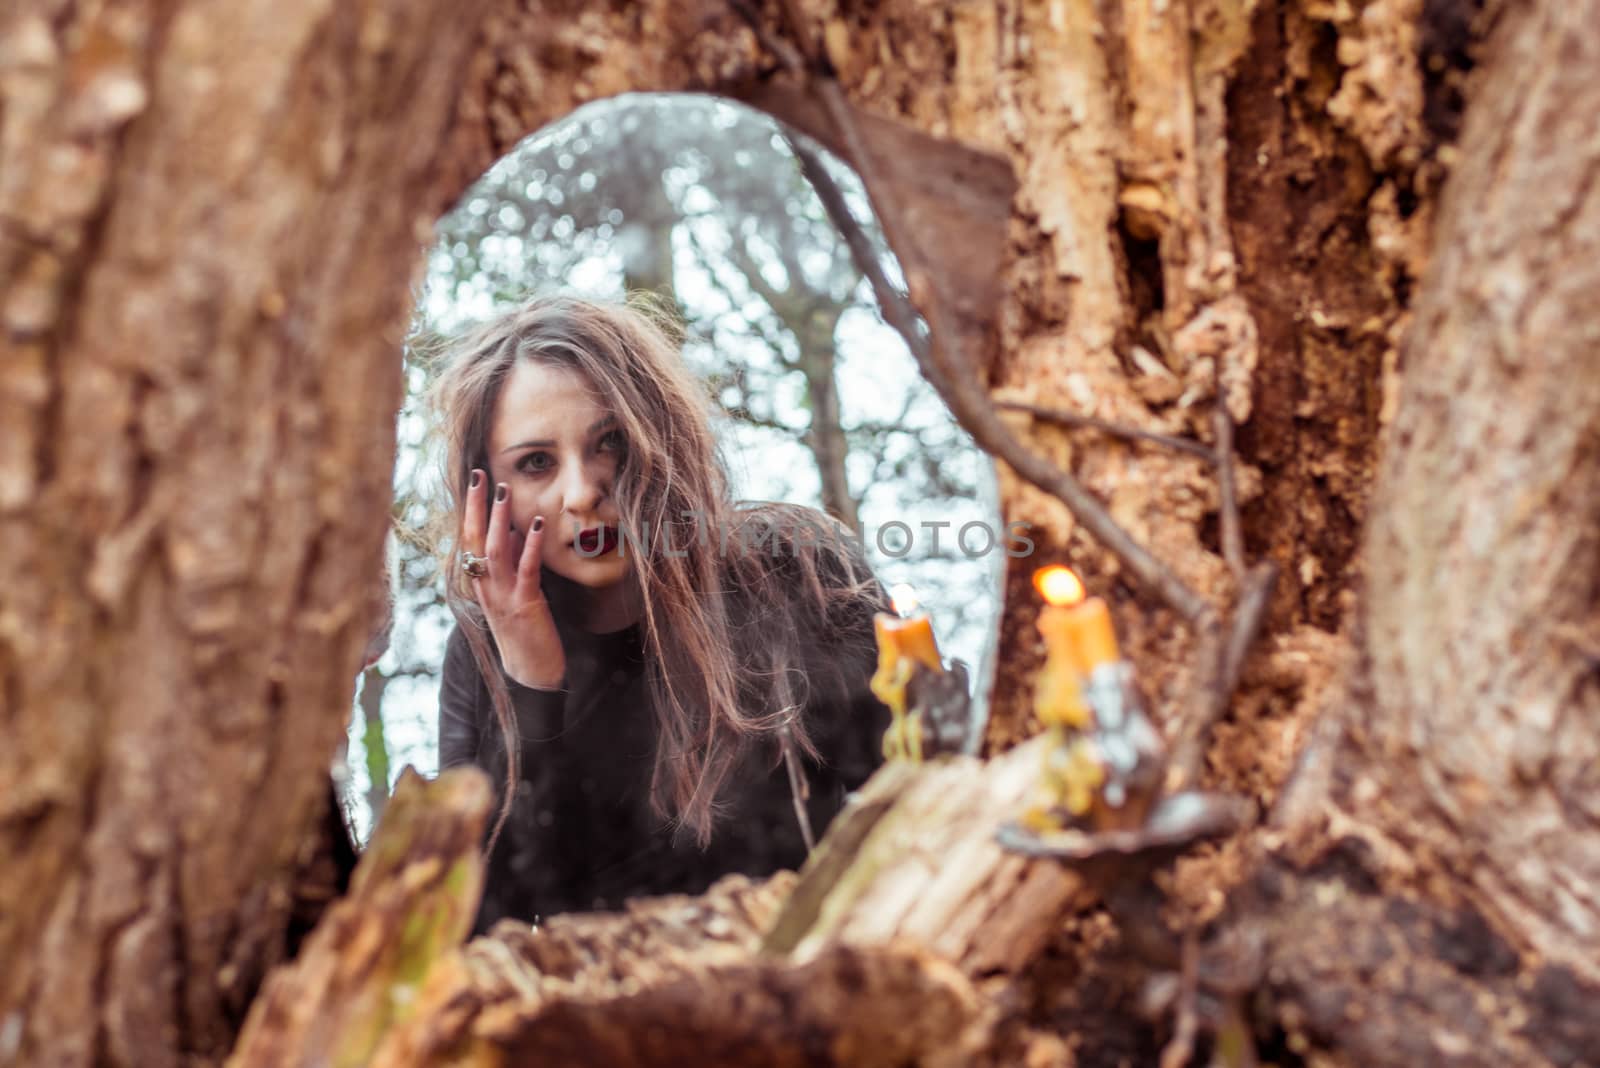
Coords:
pixel 597 541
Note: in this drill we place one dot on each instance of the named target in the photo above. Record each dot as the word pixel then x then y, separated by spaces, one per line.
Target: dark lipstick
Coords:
pixel 597 541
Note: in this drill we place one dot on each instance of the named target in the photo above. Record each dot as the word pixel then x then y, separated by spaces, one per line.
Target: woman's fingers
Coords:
pixel 528 566
pixel 473 521
pixel 498 542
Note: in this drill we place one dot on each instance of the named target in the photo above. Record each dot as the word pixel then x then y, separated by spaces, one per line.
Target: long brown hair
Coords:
pixel 724 667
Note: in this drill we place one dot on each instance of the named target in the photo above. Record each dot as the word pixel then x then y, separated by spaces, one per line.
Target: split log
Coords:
pixel 916 859
pixel 681 980
pixel 412 899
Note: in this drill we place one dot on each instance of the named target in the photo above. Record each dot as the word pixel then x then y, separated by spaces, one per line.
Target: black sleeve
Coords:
pixel 848 722
pixel 463 704
pixel 852 721
pixel 468 732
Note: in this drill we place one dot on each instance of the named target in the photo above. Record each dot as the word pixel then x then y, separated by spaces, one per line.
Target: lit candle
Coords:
pixel 1078 638
pixel 905 640
pixel 1108 755
pixel 1074 625
pixel 908 633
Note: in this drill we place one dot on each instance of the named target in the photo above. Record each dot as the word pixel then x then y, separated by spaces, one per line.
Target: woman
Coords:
pixel 651 673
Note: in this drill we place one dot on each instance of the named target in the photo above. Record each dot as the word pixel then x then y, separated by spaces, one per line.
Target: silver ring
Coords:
pixel 474 565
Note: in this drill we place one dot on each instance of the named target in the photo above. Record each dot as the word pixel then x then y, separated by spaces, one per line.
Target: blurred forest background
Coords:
pixel 700 203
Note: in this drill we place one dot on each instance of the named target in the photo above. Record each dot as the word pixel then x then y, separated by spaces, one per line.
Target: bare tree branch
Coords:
pixel 1104 426
pixel 967 402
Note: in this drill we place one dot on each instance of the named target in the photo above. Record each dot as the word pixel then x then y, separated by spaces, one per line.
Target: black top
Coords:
pixel 581 833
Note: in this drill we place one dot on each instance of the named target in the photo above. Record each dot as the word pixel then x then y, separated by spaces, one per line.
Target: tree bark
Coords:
pixel 1444 816
pixel 825 437
pixel 209 214
pixel 1482 619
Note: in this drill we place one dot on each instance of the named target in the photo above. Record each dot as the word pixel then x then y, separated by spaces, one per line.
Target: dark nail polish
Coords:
pixel 500 492
pixel 477 479
pixel 538 523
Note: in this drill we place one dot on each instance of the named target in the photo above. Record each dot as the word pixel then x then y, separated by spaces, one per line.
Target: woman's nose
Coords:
pixel 581 492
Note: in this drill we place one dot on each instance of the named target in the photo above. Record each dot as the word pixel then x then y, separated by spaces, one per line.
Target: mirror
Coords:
pixel 700 202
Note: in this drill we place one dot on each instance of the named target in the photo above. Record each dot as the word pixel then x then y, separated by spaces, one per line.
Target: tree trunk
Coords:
pixel 825 437
pixel 1483 612
pixel 211 216
pixel 1443 813
pixel 645 238
pixel 1467 778
pixel 210 219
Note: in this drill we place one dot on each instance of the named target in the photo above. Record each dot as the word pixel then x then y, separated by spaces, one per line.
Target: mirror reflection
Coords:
pixel 634 719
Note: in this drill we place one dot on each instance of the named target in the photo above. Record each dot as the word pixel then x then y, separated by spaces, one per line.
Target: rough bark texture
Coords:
pixel 412 901
pixel 1434 900
pixel 209 214
pixel 1483 612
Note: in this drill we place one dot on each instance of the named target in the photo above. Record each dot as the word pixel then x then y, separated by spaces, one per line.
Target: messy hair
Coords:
pixel 727 618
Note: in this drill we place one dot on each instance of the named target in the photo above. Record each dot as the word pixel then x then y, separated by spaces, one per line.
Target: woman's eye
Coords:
pixel 611 441
pixel 535 462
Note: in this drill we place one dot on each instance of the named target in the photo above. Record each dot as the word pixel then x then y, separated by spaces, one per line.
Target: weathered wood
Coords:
pixel 412 899
pixel 209 219
pixel 915 859
pixel 620 1004
pixel 870 956
pixel 1481 620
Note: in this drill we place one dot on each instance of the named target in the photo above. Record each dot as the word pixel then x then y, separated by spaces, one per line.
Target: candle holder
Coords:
pixel 929 700
pixel 1101 785
pixel 1106 763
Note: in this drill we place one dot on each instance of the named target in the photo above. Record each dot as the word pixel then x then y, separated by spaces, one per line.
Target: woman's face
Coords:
pixel 554 443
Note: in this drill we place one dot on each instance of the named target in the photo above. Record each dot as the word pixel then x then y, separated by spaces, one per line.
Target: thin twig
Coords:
pixel 1222 430
pixel 799 787
pixel 1248 615
pixel 1221 655
pixel 1104 426
pixel 1178 1051
pixel 734 301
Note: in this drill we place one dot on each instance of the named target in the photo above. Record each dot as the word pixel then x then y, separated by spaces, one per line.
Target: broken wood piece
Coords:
pixel 412 899
pixel 915 858
pixel 885 1006
pixel 679 980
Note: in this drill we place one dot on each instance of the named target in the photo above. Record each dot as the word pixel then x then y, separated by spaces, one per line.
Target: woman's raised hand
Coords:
pixel 509 593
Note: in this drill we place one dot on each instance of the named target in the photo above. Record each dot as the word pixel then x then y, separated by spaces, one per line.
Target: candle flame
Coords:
pixel 1058 585
pixel 903 596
